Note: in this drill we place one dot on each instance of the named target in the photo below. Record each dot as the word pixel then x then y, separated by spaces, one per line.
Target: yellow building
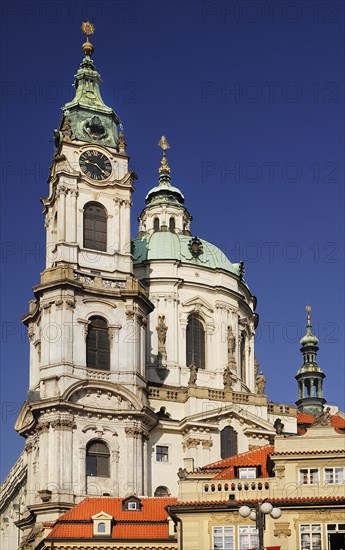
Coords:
pixel 302 475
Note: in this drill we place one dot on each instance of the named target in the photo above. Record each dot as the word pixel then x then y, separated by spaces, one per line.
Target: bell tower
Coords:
pixel 310 376
pixel 86 418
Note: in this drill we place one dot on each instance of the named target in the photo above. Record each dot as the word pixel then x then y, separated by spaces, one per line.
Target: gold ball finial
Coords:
pixel 308 310
pixel 88 29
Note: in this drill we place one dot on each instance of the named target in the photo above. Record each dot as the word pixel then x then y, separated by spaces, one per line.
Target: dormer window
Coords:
pixel 102 524
pixel 247 473
pixel 131 504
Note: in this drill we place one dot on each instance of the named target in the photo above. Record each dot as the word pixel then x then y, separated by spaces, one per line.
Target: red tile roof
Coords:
pixel 255 457
pixel 306 420
pixel 150 522
pixel 235 503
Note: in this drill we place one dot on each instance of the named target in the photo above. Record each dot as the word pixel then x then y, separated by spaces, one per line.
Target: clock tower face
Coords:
pixel 95 165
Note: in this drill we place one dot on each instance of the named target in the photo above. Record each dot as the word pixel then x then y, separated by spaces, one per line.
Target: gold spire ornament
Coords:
pixel 308 310
pixel 88 29
pixel 164 145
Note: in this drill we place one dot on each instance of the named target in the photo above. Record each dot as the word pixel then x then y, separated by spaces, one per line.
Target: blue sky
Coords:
pixel 250 97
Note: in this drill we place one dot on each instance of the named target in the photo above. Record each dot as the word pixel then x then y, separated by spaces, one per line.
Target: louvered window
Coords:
pixel 97 459
pixel 97 345
pixel 195 343
pixel 95 226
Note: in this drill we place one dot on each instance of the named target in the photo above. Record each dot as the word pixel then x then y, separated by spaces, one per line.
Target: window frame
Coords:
pixel 197 348
pixel 161 454
pixel 247 469
pixel 334 481
pixel 95 465
pixel 311 544
pixel 220 545
pixel 100 335
pixel 98 227
pixel 309 473
pixel 252 535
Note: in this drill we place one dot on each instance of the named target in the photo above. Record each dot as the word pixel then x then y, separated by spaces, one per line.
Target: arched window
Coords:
pixel 101 527
pixel 172 225
pixel 228 442
pixel 97 459
pixel 243 357
pixel 95 226
pixel 97 344
pixel 195 340
pixel 156 224
pixel 162 491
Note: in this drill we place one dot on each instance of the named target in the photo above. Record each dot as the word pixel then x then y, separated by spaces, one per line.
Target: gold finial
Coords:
pixel 88 29
pixel 163 144
pixel 308 310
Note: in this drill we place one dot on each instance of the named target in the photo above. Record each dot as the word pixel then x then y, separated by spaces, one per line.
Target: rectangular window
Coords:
pixel 309 476
pixel 310 536
pixel 223 538
pixel 334 475
pixel 247 473
pixel 248 537
pixel 162 453
pixel 132 506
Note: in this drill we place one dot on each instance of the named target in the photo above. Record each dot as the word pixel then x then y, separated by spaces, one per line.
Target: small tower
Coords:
pixel 310 376
pixel 164 210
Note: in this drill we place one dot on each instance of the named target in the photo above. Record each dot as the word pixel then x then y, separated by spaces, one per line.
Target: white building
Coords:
pixel 141 351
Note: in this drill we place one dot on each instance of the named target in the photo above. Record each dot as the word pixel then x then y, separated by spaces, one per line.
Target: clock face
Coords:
pixel 95 165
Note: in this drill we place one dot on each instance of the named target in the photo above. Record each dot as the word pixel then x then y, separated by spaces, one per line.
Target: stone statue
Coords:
pixel 182 473
pixel 227 379
pixel 231 349
pixel 278 426
pixel 162 334
pixel 193 374
pixel 260 383
pixel 324 419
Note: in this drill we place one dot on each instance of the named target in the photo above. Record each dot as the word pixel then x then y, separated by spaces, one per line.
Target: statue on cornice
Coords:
pixel 324 419
pixel 193 374
pixel 162 334
pixel 260 383
pixel 231 349
pixel 227 379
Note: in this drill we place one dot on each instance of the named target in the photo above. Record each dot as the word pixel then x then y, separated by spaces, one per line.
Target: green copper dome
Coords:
pixel 164 245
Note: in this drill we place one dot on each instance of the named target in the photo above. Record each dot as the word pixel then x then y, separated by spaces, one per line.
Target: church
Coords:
pixel 142 356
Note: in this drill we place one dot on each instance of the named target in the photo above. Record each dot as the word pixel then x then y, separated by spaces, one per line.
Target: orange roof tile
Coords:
pixel 151 522
pixel 255 457
pixel 152 509
pixel 336 421
pixel 235 503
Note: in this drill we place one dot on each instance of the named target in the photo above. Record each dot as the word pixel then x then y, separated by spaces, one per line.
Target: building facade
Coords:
pixel 141 350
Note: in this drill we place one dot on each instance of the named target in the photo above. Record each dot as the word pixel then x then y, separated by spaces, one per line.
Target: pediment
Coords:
pixel 251 423
pixel 102 515
pixel 198 304
pixel 25 419
pixel 102 395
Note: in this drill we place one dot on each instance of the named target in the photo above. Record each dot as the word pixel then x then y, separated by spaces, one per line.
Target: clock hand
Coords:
pixel 94 164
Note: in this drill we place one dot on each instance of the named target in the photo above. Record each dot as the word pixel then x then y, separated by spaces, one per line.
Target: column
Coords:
pixel 72 218
pixel 62 192
pixel 117 228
